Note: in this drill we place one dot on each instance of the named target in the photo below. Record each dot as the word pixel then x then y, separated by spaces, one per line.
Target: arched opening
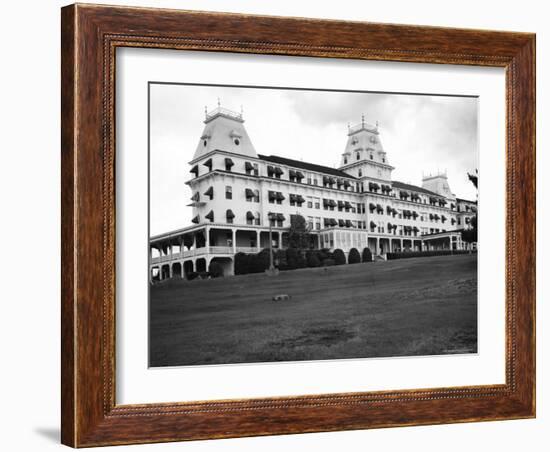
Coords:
pixel 225 264
pixel 201 265
pixel 155 274
pixel 176 270
pixel 165 272
pixel 187 268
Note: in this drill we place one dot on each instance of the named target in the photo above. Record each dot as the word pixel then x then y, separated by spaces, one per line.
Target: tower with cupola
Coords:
pixel 364 156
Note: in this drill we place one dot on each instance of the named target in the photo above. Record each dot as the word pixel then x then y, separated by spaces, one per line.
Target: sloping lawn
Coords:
pixel 419 306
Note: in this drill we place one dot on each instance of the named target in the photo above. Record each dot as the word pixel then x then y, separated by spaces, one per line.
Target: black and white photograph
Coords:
pixel 292 224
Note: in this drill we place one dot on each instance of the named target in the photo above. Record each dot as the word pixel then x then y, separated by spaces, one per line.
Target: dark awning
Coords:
pixel 229 214
pixel 372 224
pixel 443 218
pixel 195 170
pixel 300 199
pixel 292 173
pixel 248 166
pixel 210 215
pixel 278 170
pixel 249 215
pixel 390 226
pixel 300 175
pixel 326 221
pixel 347 183
pixel 228 162
pixel 348 224
pixel 348 205
pixel 208 163
pixel 195 197
pixel 341 223
pixel 195 220
pixel 332 202
pixel 280 217
pixel 249 193
pixel 331 180
pixel 270 170
pixel 372 206
pixel 210 192
pixel 325 179
pixel 341 204
pixel 280 196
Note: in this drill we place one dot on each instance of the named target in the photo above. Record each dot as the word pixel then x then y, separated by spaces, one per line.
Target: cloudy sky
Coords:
pixel 420 133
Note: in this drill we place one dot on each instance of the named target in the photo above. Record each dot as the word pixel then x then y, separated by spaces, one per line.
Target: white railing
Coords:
pixel 221 249
pixel 247 249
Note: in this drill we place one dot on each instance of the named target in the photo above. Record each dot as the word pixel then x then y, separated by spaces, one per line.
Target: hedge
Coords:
pixel 354 257
pixel 405 255
pixel 312 259
pixel 215 269
pixel 367 255
pixel 339 257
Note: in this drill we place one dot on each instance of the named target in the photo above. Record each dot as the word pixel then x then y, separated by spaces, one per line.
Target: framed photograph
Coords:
pixel 281 225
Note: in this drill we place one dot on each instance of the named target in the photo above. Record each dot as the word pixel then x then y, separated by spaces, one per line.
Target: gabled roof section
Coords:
pixel 305 166
pixel 404 186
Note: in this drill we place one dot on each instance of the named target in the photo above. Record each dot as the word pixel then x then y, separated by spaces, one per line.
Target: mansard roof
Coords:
pixel 305 166
pixel 404 186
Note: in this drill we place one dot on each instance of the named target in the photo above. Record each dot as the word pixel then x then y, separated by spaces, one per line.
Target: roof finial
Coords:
pixel 218 102
pixel 362 120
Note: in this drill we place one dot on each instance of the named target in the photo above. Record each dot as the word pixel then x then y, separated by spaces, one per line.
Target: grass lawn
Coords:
pixel 418 306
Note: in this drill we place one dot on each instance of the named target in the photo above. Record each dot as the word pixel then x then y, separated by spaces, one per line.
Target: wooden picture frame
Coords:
pixel 90 36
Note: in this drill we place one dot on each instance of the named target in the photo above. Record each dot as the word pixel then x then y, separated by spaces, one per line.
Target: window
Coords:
pixel 360 172
pixel 383 160
pixel 357 155
pixel 314 181
pixel 257 218
pixel 236 141
pixel 317 223
pixel 371 157
pixel 317 203
pixel 309 180
pixel 310 222
pixel 309 202
pixel 345 160
pixel 228 192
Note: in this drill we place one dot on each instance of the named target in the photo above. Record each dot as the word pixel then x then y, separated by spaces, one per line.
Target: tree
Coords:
pixel 313 260
pixel 298 233
pixel 339 257
pixel 470 235
pixel 354 257
pixel 367 255
pixel 292 258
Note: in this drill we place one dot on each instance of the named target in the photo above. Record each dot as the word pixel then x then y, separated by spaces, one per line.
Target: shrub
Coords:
pixel 367 255
pixel 242 264
pixel 313 259
pixel 215 269
pixel 301 261
pixel 328 262
pixel 292 258
pixel 259 262
pixel 339 257
pixel 192 275
pixel 280 259
pixel 354 257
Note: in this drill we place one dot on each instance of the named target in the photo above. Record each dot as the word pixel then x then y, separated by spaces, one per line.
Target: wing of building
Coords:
pixel 238 196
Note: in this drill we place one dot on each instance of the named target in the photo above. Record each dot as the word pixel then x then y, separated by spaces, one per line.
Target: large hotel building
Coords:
pixel 238 194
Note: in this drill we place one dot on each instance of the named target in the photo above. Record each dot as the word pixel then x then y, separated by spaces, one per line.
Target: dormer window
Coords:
pixel 345 160
pixel 371 157
pixel 236 141
pixel 205 143
pixel 360 173
pixel 358 156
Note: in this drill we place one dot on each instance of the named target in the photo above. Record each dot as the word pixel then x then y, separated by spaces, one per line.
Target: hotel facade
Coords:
pixel 240 198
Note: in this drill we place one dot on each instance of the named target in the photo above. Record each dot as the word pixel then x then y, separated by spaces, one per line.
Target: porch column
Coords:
pixel 258 240
pixel 207 239
pixel 280 240
pixel 234 240
pixel 319 241
pixel 377 246
pixel 194 244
